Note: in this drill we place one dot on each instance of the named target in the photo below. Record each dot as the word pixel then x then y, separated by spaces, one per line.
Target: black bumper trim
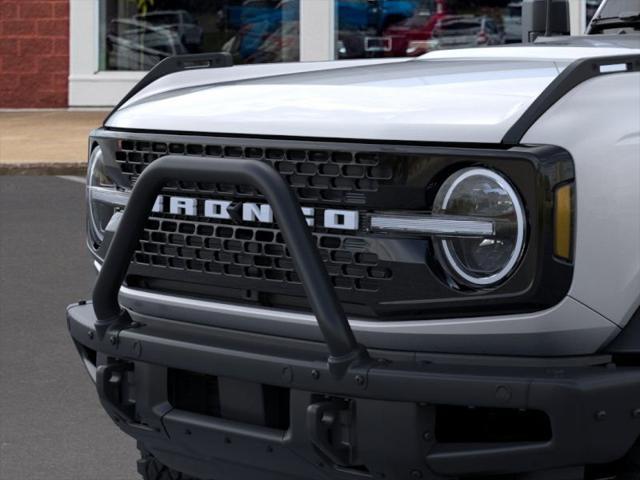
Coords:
pixel 593 410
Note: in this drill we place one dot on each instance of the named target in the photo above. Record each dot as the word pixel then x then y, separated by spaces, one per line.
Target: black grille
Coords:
pixel 222 251
pixel 382 276
pixel 255 253
pixel 315 175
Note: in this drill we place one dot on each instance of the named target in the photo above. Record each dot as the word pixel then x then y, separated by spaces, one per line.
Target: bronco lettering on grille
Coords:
pixel 250 212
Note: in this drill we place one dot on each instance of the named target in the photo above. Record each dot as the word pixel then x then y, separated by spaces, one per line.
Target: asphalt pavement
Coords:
pixel 52 426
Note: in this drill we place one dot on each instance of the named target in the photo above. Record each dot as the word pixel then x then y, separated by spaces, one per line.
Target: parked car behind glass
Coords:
pixel 460 31
pixel 418 28
pixel 512 22
pixel 180 21
pixel 135 45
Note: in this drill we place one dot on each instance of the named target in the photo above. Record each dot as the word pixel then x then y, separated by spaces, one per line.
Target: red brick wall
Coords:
pixel 34 53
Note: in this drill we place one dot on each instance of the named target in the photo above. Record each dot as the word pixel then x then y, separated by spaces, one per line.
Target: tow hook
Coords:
pixel 330 424
pixel 110 380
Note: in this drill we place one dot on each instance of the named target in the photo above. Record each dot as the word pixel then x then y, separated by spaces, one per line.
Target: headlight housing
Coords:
pixel 104 196
pixel 483 260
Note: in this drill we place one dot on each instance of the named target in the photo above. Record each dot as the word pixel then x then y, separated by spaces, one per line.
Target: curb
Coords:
pixel 62 168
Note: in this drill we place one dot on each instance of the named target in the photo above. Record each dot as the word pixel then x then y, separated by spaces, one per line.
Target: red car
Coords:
pixel 416 29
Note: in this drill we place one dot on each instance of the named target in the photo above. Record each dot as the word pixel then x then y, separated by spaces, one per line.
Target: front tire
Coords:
pixel 150 468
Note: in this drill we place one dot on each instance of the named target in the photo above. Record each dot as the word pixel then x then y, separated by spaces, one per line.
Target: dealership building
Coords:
pixel 89 53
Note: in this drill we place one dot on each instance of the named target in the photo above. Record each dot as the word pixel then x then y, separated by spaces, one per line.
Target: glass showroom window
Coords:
pixel 137 34
pixel 398 28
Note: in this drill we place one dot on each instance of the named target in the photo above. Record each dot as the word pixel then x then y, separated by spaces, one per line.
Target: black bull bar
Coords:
pixel 593 409
pixel 333 323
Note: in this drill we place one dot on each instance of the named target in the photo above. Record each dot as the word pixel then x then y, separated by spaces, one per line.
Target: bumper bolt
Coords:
pixel 601 415
pixel 315 374
pixel 427 436
pixel 112 339
pixel 635 413
pixel 416 474
pixel 90 334
pixel 503 393
pixel 359 380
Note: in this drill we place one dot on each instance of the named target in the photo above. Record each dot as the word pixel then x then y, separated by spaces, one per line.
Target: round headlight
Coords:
pixel 103 195
pixel 481 261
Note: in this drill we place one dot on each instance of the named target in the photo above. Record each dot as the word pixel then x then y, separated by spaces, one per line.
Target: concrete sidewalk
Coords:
pixel 46 142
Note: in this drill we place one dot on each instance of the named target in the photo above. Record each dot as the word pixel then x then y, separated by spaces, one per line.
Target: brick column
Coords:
pixel 34 53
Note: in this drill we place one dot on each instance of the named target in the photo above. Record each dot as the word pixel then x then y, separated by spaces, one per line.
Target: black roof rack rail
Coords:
pixel 177 63
pixel 573 75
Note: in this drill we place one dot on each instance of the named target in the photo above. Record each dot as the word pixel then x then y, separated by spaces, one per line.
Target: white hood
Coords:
pixel 471 96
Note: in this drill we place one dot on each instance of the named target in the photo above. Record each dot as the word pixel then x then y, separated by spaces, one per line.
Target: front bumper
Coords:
pixel 230 405
pixel 390 410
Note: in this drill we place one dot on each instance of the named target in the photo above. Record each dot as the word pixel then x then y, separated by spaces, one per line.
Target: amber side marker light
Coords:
pixel 563 223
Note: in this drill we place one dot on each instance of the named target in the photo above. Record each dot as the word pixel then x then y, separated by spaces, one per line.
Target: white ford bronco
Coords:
pixel 376 269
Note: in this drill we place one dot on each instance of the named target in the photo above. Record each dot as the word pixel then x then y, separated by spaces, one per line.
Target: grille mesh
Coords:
pixel 255 253
pixel 314 175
